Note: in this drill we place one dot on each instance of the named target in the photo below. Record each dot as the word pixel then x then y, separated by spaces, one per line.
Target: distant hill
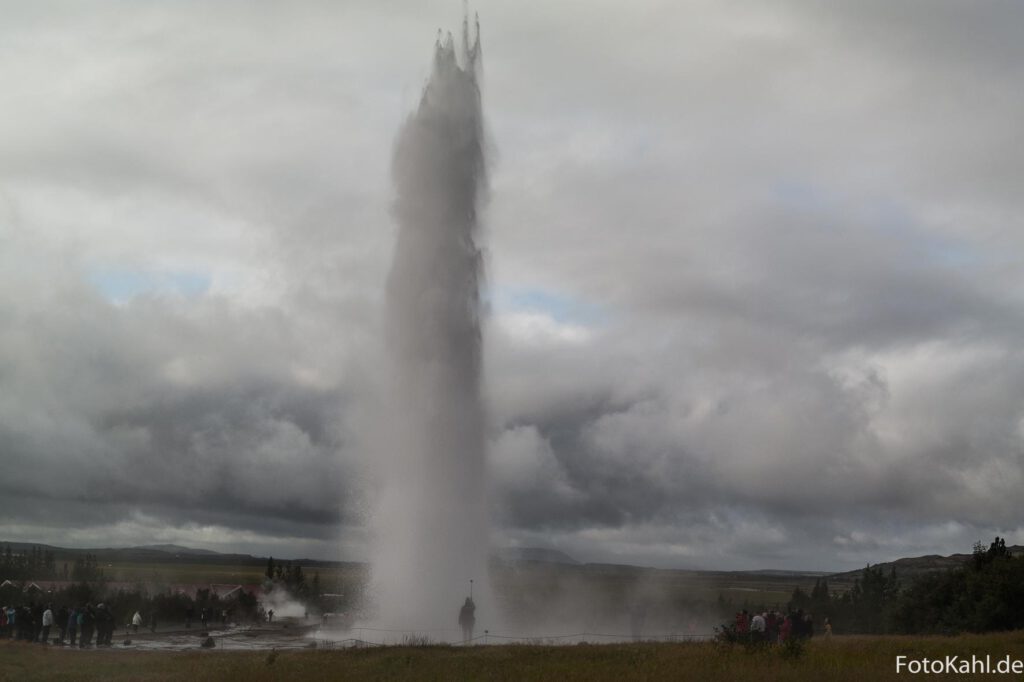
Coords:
pixel 159 554
pixel 22 546
pixel 177 549
pixel 912 567
pixel 552 556
pixel 907 568
pixel 772 572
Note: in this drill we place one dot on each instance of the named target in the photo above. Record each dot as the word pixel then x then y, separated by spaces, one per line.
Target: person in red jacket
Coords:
pixel 743 623
pixel 786 631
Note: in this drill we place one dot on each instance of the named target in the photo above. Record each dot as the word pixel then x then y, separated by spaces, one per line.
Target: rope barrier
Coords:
pixel 352 642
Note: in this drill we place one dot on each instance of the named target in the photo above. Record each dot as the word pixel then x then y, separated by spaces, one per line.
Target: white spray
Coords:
pixel 431 520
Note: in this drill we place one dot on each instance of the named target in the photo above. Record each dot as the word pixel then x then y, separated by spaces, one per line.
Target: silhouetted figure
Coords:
pixel 800 625
pixel 72 626
pixel 37 622
pixel 86 624
pixel 771 627
pixel 467 619
pixel 104 623
pixel 26 628
pixel 62 622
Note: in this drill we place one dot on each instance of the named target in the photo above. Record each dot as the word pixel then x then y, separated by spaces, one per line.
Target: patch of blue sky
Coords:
pixel 560 307
pixel 897 220
pixel 121 284
pixel 885 215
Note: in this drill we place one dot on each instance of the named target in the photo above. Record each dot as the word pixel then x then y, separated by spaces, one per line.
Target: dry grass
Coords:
pixel 842 658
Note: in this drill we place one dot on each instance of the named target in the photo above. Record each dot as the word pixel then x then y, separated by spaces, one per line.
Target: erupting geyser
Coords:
pixel 431 521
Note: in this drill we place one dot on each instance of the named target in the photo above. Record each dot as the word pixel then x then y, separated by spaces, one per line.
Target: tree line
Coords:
pixel 290 576
pixel 985 594
pixel 34 563
pixel 37 563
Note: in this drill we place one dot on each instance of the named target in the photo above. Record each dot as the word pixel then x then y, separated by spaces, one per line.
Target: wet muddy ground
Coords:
pixel 284 635
pixel 294 634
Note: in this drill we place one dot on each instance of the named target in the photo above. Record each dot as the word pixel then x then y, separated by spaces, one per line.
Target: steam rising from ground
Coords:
pixel 431 519
pixel 605 603
pixel 283 604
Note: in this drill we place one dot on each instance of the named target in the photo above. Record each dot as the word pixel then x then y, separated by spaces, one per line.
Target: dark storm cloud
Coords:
pixel 191 413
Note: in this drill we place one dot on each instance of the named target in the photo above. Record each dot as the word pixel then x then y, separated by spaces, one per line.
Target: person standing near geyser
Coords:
pixel 467 619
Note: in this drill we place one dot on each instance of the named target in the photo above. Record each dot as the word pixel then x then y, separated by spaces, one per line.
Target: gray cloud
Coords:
pixel 771 308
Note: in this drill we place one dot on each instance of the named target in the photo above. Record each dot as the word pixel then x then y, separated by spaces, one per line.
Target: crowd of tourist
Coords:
pixel 772 627
pixel 74 626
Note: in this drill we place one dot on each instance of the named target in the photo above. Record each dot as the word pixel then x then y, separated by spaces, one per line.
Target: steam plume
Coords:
pixel 431 520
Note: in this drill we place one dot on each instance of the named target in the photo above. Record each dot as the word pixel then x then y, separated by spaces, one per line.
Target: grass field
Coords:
pixel 536 593
pixel 709 583
pixel 842 658
pixel 175 572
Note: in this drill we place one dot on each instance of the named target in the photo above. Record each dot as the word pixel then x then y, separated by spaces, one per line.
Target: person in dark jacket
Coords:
pixel 86 623
pixel 37 622
pixel 808 625
pixel 104 625
pixel 72 621
pixel 28 626
pixel 100 627
pixel 467 619
pixel 62 622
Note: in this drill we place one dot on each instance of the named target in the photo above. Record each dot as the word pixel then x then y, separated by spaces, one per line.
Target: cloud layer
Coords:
pixel 755 298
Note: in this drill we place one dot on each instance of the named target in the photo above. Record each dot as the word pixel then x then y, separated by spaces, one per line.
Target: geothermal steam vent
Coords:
pixel 432 518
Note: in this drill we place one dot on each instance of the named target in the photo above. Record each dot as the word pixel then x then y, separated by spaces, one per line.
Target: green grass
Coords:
pixel 842 658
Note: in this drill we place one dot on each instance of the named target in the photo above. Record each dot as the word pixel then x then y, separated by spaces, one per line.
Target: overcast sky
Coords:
pixel 754 272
